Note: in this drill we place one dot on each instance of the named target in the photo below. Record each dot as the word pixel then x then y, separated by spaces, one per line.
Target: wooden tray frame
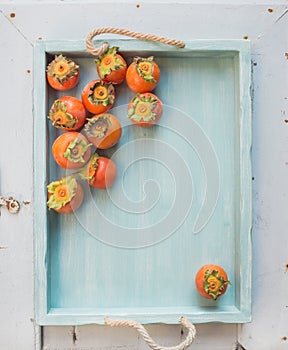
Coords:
pixel 241 311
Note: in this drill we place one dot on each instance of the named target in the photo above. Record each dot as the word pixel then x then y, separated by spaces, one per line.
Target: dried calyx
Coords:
pixel 62 68
pixel 102 93
pixel 61 192
pixel 98 127
pixel 214 283
pixel 143 108
pixel 93 165
pixel 76 150
pixel 109 62
pixel 145 68
pixel 60 117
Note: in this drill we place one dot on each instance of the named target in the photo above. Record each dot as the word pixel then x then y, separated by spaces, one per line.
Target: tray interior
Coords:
pixel 135 248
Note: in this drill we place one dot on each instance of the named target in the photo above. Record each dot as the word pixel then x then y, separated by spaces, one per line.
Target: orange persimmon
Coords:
pixel 62 73
pixel 211 281
pixel 143 74
pixel 71 150
pixel 65 195
pixel 103 130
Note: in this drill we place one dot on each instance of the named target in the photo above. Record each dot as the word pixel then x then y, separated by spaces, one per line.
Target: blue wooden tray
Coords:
pixel 182 197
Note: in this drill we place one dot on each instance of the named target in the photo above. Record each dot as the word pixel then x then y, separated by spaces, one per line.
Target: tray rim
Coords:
pixel 65 316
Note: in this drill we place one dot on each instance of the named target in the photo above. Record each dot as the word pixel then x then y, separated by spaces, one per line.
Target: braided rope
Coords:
pixel 142 331
pixel 143 36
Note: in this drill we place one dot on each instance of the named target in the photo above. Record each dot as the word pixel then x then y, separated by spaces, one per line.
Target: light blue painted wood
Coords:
pixel 140 260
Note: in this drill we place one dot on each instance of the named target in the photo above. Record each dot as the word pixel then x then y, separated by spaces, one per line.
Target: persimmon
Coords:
pixel 101 172
pixel 71 150
pixel 62 73
pixel 111 66
pixel 67 113
pixel 103 130
pixel 143 74
pixel 145 109
pixel 211 281
pixel 65 195
pixel 98 97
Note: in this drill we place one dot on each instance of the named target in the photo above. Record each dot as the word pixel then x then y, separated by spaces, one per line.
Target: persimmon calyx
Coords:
pixel 61 192
pixel 60 117
pixel 98 127
pixel 145 68
pixel 62 68
pixel 93 166
pixel 214 283
pixel 109 62
pixel 143 108
pixel 76 151
pixel 102 93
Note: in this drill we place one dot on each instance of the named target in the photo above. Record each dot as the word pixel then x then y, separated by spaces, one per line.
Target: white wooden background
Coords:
pixel 265 23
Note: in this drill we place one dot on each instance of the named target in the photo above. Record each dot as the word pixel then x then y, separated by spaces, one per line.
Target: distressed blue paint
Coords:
pixel 81 279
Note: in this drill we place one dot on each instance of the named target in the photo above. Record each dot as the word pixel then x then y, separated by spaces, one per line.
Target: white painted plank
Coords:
pixel 16 234
pixel 198 21
pixel 270 304
pixel 102 337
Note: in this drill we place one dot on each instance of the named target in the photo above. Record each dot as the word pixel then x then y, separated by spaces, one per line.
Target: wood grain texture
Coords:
pixel 116 254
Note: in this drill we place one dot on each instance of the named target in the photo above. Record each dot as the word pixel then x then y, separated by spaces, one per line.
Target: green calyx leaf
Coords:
pixel 76 150
pixel 142 108
pixel 61 192
pixel 109 62
pixel 70 69
pixel 106 101
pixel 144 67
pixel 60 117
pixel 93 166
pixel 98 127
pixel 214 284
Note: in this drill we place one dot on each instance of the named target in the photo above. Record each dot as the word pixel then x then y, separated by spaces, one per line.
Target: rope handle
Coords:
pixel 142 331
pixel 143 36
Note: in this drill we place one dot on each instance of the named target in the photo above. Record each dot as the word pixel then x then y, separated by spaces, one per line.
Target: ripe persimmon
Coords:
pixel 67 113
pixel 101 172
pixel 103 130
pixel 98 97
pixel 111 66
pixel 211 281
pixel 145 109
pixel 65 195
pixel 71 150
pixel 62 73
pixel 143 74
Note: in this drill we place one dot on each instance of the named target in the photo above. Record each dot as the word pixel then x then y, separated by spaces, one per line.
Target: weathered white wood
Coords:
pixel 268 33
pixel 101 337
pixel 270 302
pixel 16 234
